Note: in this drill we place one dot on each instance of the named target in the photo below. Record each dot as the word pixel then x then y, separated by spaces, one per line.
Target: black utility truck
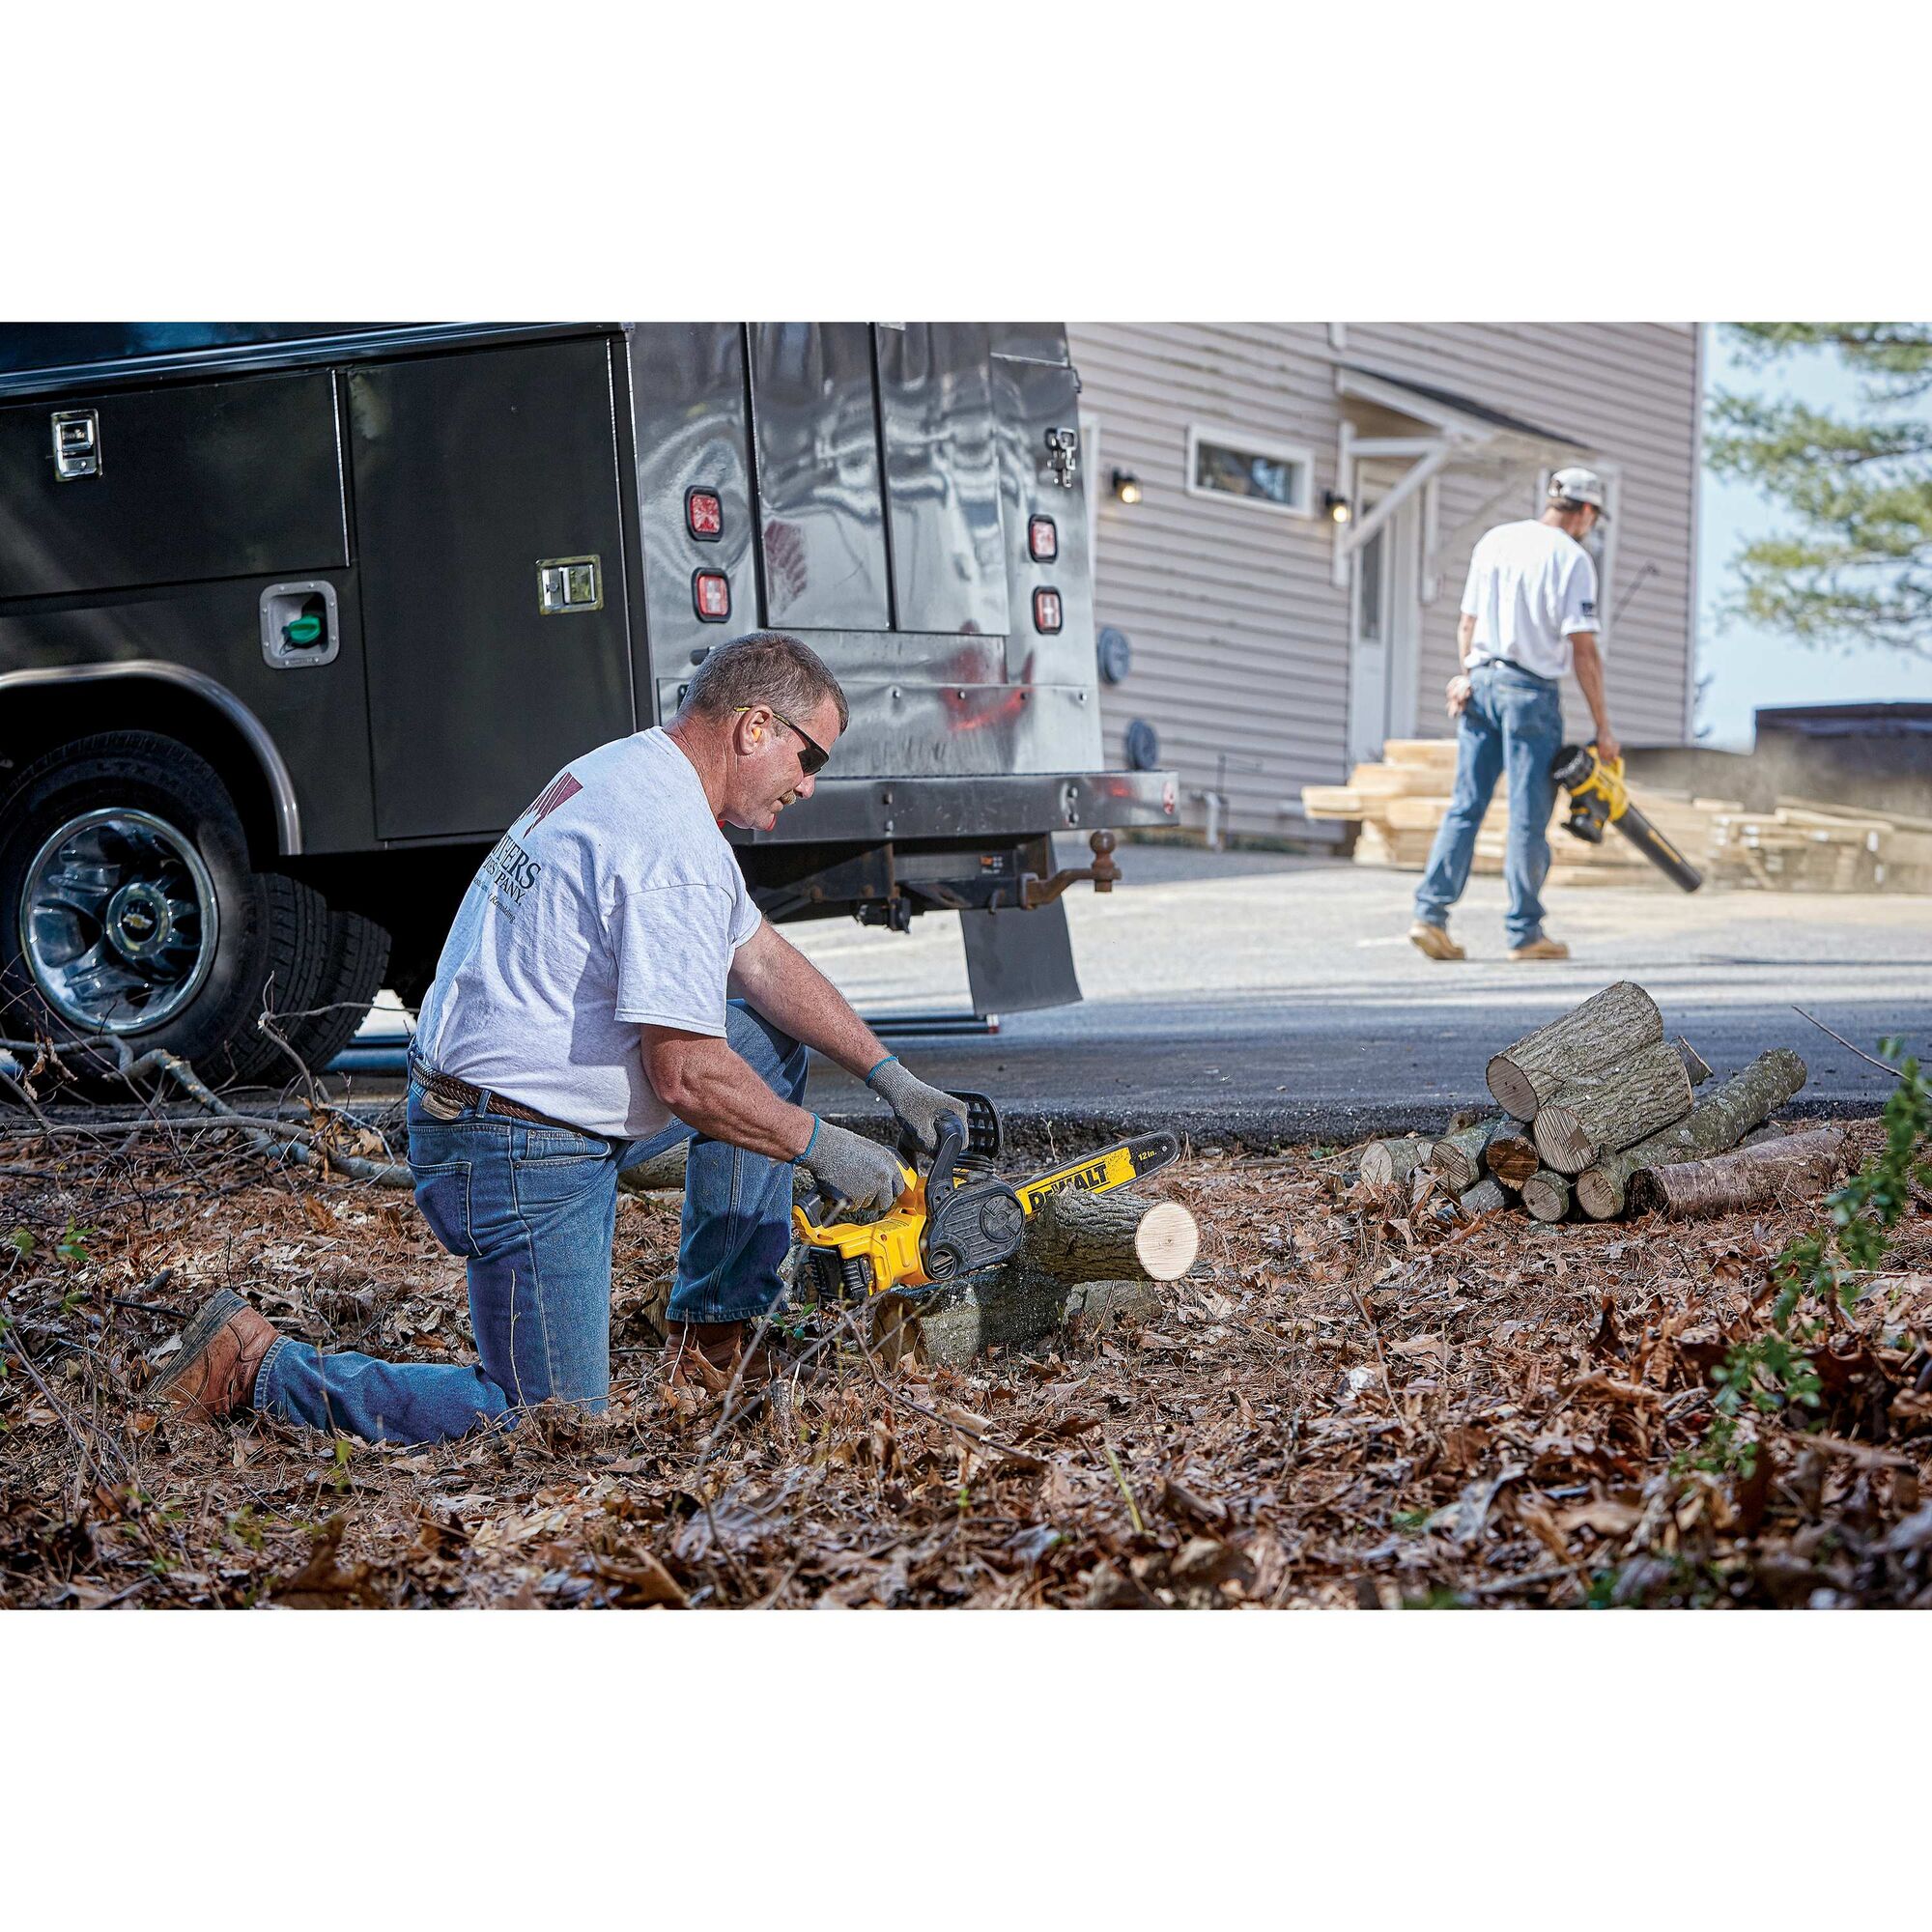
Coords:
pixel 296 618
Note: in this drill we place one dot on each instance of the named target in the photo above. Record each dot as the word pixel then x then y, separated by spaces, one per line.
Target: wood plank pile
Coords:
pixel 1799 846
pixel 1814 848
pixel 1601 1117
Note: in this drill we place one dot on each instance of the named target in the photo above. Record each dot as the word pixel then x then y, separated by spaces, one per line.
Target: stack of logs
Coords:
pixel 1599 1118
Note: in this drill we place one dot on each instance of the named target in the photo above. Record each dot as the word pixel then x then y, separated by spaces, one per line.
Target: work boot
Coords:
pixel 1434 941
pixel 706 1354
pixel 1540 948
pixel 221 1349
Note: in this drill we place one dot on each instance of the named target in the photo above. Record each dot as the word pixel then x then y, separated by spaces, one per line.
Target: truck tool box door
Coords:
pixel 490 536
pixel 818 438
pixel 943 478
pixel 171 486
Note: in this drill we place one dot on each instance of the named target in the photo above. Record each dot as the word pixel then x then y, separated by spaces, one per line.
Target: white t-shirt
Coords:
pixel 1531 589
pixel 613 901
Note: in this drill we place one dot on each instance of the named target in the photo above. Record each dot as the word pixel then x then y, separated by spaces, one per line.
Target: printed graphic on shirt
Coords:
pixel 510 872
pixel 560 793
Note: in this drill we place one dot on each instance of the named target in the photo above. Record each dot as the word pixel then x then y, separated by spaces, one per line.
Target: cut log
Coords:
pixel 1385 1163
pixel 1485 1197
pixel 1608 1027
pixel 1717 1121
pixel 1753 1177
pixel 1074 1237
pixel 1613 1108
pixel 1458 1158
pixel 1512 1157
pixel 995 1310
pixel 1547 1195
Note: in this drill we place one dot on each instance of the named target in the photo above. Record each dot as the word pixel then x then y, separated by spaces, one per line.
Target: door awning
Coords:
pixel 1451 431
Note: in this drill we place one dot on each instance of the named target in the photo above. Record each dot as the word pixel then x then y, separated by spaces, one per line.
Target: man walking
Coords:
pixel 1529 612
pixel 579 1023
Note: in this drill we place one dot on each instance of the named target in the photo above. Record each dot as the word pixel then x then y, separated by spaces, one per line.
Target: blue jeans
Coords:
pixel 533 1211
pixel 1512 723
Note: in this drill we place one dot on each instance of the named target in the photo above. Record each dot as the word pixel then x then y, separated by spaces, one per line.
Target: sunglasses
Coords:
pixel 811 760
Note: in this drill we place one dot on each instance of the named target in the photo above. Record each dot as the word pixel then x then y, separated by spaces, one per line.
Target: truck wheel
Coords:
pixel 129 906
pixel 357 956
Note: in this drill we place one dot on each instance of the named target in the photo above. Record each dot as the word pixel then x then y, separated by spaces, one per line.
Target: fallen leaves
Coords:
pixel 1332 1409
pixel 323 1582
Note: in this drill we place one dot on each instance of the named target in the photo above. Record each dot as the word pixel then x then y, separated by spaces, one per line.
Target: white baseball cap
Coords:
pixel 1580 486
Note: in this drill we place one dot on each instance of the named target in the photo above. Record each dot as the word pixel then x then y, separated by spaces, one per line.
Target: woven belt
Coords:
pixel 447 1088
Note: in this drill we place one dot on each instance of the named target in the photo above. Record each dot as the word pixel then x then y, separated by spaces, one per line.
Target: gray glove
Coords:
pixel 921 1108
pixel 849 1167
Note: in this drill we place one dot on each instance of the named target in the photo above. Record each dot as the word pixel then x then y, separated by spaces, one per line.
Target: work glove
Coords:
pixel 921 1108
pixel 849 1167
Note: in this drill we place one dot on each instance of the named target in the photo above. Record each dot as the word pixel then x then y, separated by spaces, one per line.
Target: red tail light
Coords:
pixel 703 515
pixel 1042 539
pixel 711 595
pixel 1046 611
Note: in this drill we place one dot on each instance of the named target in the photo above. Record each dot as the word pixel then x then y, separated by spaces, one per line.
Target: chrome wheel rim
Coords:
pixel 118 922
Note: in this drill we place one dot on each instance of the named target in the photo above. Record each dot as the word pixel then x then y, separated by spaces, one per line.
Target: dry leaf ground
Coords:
pixel 1337 1408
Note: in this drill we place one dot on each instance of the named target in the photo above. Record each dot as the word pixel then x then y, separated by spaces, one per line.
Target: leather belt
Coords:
pixel 460 1093
pixel 1510 663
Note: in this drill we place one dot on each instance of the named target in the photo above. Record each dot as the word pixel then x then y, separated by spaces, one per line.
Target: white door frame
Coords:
pixel 1383 675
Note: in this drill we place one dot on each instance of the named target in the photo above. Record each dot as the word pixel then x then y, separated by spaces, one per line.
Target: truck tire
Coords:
pixel 357 956
pixel 129 905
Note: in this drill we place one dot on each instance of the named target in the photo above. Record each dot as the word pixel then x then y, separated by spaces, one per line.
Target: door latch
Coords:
pixel 1062 452
pixel 567 583
pixel 76 443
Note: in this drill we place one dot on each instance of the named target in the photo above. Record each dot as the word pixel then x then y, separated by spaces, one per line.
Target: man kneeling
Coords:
pixel 582 1022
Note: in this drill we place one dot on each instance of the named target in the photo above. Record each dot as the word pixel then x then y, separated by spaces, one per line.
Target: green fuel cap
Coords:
pixel 304 629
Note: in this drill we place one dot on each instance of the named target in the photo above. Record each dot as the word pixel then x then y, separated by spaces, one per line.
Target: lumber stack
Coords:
pixel 1596 1106
pixel 1797 846
pixel 1800 847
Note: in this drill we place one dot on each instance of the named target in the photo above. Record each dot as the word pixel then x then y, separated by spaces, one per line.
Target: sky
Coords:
pixel 1748 667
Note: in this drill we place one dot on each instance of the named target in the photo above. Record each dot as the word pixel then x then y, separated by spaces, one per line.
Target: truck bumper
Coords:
pixel 1013 805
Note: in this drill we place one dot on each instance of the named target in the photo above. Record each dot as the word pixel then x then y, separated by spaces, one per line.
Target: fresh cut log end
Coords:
pixel 1167 1241
pixel 1385 1163
pixel 1512 1157
pixel 1458 1158
pixel 1547 1195
pixel 1599 1193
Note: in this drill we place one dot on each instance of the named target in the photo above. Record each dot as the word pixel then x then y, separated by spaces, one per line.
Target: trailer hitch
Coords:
pixel 1036 892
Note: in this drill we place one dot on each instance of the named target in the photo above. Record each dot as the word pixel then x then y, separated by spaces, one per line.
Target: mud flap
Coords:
pixel 1019 961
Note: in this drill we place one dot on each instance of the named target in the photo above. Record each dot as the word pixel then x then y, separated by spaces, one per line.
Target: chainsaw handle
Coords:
pixel 811 1216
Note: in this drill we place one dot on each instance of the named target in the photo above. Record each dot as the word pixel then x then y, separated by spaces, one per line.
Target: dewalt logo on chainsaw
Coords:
pixel 1127 1162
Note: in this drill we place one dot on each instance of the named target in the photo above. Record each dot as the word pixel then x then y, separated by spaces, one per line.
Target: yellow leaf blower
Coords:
pixel 1599 797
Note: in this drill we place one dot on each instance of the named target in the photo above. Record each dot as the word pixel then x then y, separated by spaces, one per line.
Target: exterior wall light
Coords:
pixel 1337 507
pixel 1127 486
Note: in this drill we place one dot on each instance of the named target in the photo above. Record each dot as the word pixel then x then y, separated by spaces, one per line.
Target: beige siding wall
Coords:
pixel 1241 637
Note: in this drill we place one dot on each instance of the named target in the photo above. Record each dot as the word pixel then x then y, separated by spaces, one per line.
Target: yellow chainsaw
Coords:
pixel 958 1215
pixel 1599 797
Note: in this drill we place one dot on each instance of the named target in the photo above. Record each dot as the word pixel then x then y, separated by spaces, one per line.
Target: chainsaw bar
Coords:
pixel 1102 1173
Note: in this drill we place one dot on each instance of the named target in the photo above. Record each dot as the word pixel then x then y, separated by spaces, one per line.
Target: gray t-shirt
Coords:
pixel 614 901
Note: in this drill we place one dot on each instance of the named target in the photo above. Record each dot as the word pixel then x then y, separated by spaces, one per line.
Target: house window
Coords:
pixel 1229 463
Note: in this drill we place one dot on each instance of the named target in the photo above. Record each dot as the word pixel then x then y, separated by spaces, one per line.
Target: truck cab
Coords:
pixel 296 618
